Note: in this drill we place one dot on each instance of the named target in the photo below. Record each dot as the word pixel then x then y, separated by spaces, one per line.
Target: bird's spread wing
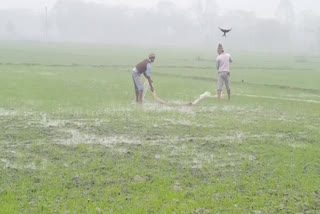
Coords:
pixel 225 31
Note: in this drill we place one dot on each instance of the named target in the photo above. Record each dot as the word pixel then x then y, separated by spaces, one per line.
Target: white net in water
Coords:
pixel 205 95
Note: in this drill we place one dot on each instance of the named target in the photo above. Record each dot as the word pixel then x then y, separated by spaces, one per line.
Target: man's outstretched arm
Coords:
pixel 150 83
pixel 148 76
pixel 149 80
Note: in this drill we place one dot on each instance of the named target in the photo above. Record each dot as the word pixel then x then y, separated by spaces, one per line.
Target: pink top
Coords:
pixel 223 62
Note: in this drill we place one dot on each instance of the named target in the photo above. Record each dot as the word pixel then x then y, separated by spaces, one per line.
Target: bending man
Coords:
pixel 144 68
pixel 223 66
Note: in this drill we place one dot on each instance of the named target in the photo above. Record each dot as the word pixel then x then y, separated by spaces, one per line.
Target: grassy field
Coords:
pixel 72 141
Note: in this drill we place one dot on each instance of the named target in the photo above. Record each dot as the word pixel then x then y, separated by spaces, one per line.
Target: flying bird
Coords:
pixel 225 32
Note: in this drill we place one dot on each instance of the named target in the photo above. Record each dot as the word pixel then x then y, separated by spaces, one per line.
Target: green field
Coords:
pixel 72 141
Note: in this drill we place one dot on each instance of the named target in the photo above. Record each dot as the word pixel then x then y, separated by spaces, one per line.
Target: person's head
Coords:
pixel 152 56
pixel 220 49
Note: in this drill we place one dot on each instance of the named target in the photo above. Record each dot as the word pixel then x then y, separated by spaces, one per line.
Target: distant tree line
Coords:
pixel 165 24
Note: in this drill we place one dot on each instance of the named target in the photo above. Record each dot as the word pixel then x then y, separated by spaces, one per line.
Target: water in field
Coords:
pixel 71 139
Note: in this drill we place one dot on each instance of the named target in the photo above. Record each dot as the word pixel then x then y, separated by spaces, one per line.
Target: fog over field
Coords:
pixel 85 129
pixel 275 25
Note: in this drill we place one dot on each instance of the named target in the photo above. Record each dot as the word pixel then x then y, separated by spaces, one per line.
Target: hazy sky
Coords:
pixel 262 8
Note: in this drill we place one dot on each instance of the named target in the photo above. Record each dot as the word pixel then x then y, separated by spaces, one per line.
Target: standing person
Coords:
pixel 144 68
pixel 223 66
